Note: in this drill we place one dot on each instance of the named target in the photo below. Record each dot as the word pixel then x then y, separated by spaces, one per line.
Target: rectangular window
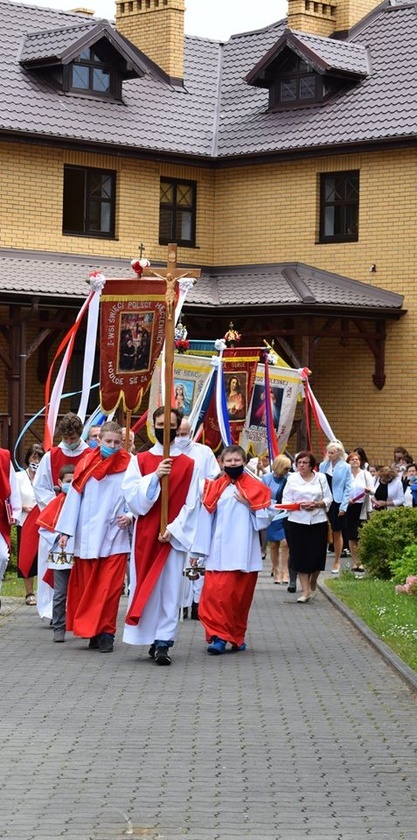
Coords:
pixel 89 202
pixel 339 206
pixel 177 212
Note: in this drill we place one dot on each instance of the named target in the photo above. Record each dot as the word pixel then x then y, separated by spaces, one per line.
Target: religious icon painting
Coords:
pixel 131 338
pixel 236 391
pixel 135 338
pixel 183 395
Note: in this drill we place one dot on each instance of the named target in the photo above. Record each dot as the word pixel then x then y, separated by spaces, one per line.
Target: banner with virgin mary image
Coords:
pixel 190 373
pixel 131 339
pixel 239 369
pixel 286 385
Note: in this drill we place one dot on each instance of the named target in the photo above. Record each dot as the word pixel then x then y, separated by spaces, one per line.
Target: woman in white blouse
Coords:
pixel 388 491
pixel 359 505
pixel 307 525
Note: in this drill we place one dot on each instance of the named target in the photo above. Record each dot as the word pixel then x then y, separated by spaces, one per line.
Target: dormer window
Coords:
pixel 296 83
pixel 90 74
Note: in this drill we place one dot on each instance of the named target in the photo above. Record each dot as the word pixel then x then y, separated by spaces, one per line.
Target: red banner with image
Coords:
pixel 132 334
pixel 239 371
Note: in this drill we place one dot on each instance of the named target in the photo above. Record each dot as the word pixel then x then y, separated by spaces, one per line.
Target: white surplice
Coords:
pixel 159 619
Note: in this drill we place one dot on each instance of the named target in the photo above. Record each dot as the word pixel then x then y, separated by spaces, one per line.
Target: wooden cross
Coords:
pixel 172 274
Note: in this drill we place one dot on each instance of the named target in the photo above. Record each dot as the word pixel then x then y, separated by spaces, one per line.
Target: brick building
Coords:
pixel 283 163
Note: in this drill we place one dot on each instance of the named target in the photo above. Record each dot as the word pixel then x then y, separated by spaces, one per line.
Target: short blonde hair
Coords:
pixel 281 464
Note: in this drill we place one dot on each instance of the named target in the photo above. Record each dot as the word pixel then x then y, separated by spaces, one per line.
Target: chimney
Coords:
pixel 326 18
pixel 157 28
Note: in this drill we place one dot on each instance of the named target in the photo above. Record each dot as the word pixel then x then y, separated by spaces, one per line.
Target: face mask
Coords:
pixel 106 451
pixel 93 444
pixel 159 434
pixel 33 466
pixel 65 487
pixel 183 442
pixel 234 472
pixel 72 446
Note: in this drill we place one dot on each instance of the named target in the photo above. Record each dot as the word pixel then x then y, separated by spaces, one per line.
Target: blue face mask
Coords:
pixel 93 444
pixel 65 487
pixel 106 451
pixel 74 445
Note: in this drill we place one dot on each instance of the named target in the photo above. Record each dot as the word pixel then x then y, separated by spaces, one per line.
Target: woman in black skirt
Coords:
pixel 310 494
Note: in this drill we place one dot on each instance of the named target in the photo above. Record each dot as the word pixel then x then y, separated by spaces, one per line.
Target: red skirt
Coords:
pixel 94 591
pixel 225 603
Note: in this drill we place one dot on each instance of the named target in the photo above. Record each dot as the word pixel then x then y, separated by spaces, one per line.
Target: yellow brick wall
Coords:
pixel 270 214
pixel 325 18
pixel 31 186
pixel 264 214
pixel 157 28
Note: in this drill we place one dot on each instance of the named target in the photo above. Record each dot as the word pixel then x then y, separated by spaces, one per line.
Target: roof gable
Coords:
pixel 48 48
pixel 324 55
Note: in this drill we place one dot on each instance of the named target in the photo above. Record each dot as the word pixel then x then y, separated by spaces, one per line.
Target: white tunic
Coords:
pixel 90 517
pixel 16 507
pixel 27 493
pixel 229 537
pixel 43 484
pixel 159 619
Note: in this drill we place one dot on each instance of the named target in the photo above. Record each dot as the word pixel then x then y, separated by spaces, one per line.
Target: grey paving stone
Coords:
pixel 309 734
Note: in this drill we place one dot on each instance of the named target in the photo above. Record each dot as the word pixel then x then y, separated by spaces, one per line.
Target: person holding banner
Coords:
pixel 95 514
pixel 10 508
pixel 157 560
pixel 235 507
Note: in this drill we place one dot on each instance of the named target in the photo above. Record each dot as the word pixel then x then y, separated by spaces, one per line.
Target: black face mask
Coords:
pixel 234 472
pixel 159 434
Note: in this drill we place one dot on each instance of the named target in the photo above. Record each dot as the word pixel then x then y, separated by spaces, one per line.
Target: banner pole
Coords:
pixel 169 366
pixel 128 422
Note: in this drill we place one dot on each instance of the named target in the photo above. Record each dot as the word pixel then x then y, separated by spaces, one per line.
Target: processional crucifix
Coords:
pixel 172 274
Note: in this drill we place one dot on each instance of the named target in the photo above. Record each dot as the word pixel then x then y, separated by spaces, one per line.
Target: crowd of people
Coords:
pixel 89 517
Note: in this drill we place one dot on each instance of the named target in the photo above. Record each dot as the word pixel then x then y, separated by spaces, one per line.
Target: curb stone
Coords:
pixel 391 658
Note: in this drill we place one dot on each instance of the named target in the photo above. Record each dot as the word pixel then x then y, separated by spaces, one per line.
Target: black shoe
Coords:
pixel 291 589
pixel 162 656
pixel 194 611
pixel 106 643
pixel 93 643
pixel 184 613
pixel 151 651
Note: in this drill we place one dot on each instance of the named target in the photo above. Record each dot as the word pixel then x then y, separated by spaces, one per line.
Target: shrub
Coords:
pixel 406 565
pixel 384 538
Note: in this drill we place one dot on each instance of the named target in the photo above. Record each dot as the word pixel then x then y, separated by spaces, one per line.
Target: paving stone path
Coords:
pixel 308 734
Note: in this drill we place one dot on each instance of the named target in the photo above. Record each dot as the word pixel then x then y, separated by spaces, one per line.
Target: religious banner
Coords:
pixel 132 334
pixel 190 376
pixel 286 385
pixel 239 369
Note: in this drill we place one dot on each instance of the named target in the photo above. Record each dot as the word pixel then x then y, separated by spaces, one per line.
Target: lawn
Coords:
pixel 392 617
pixel 13 587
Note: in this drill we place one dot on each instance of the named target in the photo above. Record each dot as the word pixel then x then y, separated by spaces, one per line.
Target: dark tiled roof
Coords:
pixel 323 54
pixel 38 46
pixel 52 276
pixel 336 55
pixel 218 113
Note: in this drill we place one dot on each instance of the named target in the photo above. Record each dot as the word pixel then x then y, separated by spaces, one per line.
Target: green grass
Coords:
pixel 12 587
pixel 392 617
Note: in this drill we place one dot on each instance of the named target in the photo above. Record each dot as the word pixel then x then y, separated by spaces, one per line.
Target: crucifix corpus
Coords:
pixel 172 274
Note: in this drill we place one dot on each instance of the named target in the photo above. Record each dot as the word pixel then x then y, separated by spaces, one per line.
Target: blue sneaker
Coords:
pixel 216 646
pixel 236 648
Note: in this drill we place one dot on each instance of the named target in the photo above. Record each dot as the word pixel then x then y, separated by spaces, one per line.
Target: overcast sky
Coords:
pixel 209 18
